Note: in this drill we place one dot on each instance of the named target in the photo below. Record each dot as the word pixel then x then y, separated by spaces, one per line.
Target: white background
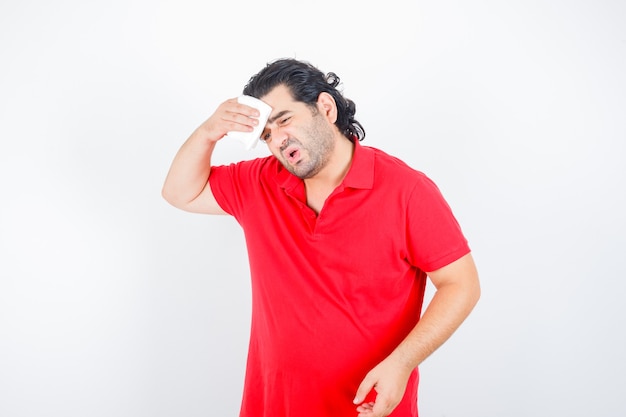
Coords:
pixel 113 303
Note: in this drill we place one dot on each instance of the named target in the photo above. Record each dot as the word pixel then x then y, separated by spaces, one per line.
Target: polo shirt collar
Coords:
pixel 360 174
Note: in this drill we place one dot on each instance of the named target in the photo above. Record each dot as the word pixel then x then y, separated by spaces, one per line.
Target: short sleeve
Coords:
pixel 434 236
pixel 235 184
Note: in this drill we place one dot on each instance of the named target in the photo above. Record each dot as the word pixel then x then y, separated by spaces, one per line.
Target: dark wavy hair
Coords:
pixel 306 82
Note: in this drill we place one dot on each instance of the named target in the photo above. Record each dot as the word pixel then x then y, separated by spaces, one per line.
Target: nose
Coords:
pixel 278 137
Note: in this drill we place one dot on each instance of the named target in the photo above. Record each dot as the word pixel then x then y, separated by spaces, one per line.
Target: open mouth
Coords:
pixel 292 155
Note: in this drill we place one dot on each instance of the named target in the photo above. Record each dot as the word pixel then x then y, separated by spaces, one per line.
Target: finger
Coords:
pixel 240 116
pixel 365 407
pixel 234 110
pixel 233 122
pixel 248 110
pixel 366 386
pixel 382 406
pixel 234 106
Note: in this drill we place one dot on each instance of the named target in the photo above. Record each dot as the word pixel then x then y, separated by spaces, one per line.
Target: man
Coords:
pixel 341 239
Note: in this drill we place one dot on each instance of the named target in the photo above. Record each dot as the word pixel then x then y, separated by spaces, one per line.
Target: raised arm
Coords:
pixel 187 183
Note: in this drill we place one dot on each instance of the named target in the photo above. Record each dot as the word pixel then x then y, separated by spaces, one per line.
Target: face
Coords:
pixel 301 138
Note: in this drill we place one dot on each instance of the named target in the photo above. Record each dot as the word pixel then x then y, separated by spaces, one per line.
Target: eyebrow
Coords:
pixel 278 116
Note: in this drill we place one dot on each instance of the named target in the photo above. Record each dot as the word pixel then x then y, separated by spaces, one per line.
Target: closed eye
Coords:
pixel 281 119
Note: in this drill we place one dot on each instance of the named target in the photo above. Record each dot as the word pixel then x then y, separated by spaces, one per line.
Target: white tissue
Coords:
pixel 250 139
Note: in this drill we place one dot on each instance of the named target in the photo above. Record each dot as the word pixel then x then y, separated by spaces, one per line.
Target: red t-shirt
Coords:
pixel 333 294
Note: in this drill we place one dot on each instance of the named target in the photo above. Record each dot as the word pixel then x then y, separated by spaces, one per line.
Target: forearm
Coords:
pixel 449 307
pixel 190 169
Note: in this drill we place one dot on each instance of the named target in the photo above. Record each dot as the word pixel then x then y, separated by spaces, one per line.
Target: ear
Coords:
pixel 327 107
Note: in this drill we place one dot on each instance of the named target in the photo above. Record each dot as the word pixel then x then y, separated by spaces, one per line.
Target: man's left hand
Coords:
pixel 388 379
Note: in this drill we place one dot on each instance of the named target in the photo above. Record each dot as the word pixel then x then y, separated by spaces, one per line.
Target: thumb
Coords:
pixel 366 386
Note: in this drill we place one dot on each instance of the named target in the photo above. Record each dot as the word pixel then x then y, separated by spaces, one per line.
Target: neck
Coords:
pixel 336 169
pixel 319 187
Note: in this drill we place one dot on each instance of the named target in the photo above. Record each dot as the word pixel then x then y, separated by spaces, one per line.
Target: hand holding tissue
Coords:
pixel 250 139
